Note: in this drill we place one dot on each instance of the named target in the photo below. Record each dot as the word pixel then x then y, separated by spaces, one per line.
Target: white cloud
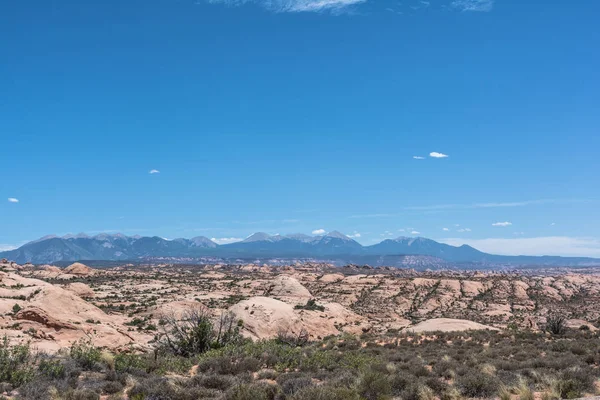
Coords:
pixel 401 230
pixel 473 5
pixel 318 232
pixel 503 224
pixel 536 246
pixel 7 247
pixel 13 200
pixel 445 229
pixel 295 5
pixel 226 240
pixel 154 171
pixel 354 235
pixel 552 224
pixel 418 158
pixel 435 154
pixel 464 230
pixel 415 232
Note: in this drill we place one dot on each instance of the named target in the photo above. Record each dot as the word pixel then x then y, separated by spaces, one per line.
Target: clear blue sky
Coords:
pixel 303 115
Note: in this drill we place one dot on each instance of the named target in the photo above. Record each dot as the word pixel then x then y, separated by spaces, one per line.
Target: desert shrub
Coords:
pixel 229 365
pixel 477 384
pixel 36 390
pixel 194 332
pixel 52 368
pixel 257 391
pixel 437 385
pixel 81 394
pixel 400 381
pixel 17 364
pixel 267 374
pixel 326 392
pixel 300 338
pixel 112 387
pixel 294 385
pixel 86 355
pixel 130 363
pixel 153 388
pixel 310 305
pixel 556 324
pixel 417 391
pixel 212 381
pixel 374 385
pixel 574 382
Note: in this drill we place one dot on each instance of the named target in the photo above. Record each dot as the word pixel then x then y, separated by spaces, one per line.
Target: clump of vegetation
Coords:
pixel 194 333
pixel 556 324
pixel 310 305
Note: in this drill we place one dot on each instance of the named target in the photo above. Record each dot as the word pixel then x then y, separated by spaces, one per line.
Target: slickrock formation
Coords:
pixel 448 325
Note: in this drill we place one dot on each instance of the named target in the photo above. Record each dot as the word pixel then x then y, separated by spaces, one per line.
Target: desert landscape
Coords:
pixel 471 334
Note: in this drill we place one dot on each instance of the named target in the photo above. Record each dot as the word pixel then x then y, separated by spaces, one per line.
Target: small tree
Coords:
pixel 286 336
pixel 194 332
pixel 556 324
pixel 16 308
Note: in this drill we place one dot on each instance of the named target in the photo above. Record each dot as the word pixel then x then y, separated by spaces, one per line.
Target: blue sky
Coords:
pixel 298 115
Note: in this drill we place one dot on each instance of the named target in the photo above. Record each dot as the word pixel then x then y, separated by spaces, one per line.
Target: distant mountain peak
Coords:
pixel 80 235
pixel 337 235
pixel 257 237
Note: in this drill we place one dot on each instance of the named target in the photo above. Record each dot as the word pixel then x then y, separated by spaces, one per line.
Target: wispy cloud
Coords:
pixel 7 247
pixel 464 230
pixel 503 224
pixel 318 232
pixel 355 235
pixel 226 240
pixel 473 5
pixel 441 207
pixel 294 5
pixel 435 154
pixel 154 171
pixel 13 200
pixel 535 246
pixel 415 233
pixel 445 229
pixel 492 205
pixel 418 158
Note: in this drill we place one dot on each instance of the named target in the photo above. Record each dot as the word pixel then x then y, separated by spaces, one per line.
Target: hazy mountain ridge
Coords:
pixel 332 246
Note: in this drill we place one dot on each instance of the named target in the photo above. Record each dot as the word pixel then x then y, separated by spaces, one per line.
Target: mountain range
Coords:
pixel 334 246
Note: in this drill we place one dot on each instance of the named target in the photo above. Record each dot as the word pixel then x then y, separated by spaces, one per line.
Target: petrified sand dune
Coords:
pixel 57 316
pixel 448 325
pixel 289 289
pixel 329 278
pixel 79 269
pixel 265 317
pixel 80 289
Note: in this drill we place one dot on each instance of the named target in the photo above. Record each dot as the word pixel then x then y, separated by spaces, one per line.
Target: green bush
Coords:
pixel 478 384
pixel 374 386
pixel 325 392
pixel 86 355
pixel 17 365
pixel 252 392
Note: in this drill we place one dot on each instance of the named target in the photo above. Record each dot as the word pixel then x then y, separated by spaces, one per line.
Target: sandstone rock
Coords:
pixel 289 289
pixel 40 316
pixel 80 289
pixel 448 325
pixel 79 269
